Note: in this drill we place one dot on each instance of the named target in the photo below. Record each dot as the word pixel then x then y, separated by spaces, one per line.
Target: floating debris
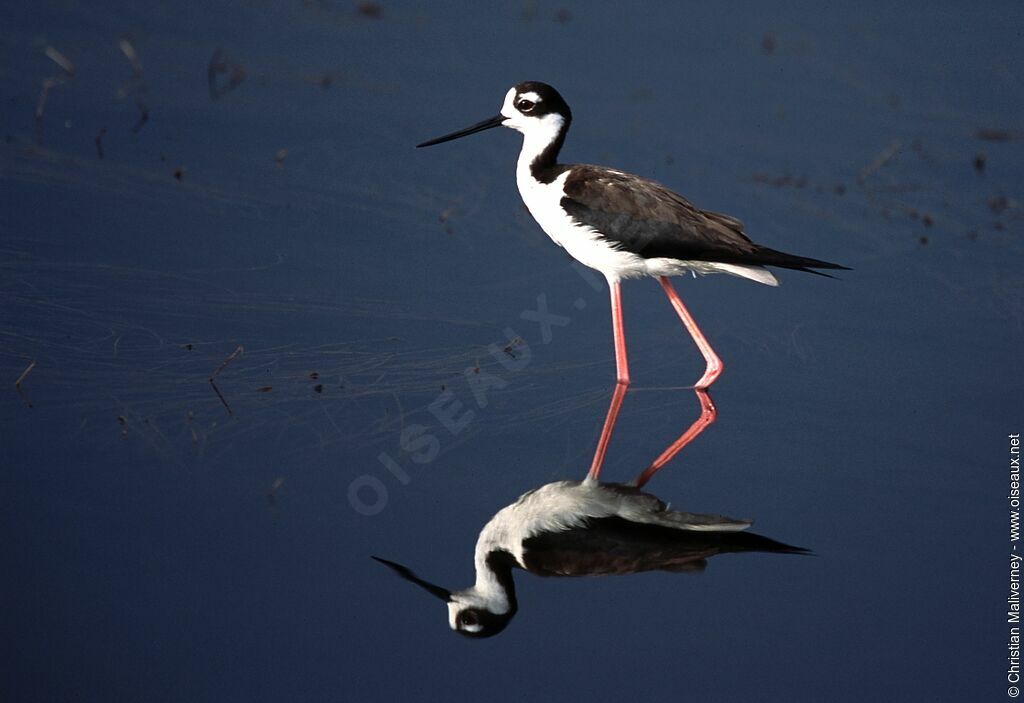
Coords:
pixel 26 372
pixel 135 86
pixel 917 146
pixel 999 204
pixel 979 162
pixel 221 66
pixel 511 347
pixel 780 181
pixel 21 378
pixel 41 104
pixel 323 80
pixel 274 488
pixel 129 51
pixel 925 218
pixel 768 43
pixel 143 116
pixel 99 141
pixel 444 216
pixel 61 60
pixel 213 377
pixel 369 9
pixel 68 69
pixel 280 156
pixel 994 135
pixel 881 160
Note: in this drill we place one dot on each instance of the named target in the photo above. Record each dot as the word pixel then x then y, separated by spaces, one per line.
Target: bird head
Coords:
pixel 532 107
pixel 470 612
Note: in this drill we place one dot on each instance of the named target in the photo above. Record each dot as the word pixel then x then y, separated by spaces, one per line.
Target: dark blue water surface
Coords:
pixel 161 545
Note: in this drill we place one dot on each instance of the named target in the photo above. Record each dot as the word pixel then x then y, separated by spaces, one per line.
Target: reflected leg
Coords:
pixel 708 413
pixel 714 364
pixel 621 381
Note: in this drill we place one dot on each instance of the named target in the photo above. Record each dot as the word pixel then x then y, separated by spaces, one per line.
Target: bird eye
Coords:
pixel 525 105
pixel 468 618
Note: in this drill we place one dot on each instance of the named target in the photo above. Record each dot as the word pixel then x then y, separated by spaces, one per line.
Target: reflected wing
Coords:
pixel 613 545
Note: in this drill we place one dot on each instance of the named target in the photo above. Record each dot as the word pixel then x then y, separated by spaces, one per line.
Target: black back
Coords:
pixel 648 219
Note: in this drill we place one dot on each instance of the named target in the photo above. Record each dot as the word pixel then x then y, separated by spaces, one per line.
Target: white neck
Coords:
pixel 487 585
pixel 537 136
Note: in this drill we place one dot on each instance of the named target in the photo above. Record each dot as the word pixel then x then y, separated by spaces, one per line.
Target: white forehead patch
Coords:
pixel 454 609
pixel 506 107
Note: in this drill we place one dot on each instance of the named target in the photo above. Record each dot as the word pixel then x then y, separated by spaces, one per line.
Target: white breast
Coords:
pixel 585 244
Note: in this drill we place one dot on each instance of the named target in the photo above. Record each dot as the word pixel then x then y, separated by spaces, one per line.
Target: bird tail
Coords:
pixel 751 542
pixel 780 259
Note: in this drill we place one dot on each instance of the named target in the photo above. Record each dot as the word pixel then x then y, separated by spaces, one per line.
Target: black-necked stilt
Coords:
pixel 624 226
pixel 583 528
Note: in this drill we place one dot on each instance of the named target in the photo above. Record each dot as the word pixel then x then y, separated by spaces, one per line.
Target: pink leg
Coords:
pixel 714 364
pixel 621 382
pixel 708 413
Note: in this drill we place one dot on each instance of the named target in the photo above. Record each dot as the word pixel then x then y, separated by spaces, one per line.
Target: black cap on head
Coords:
pixel 548 99
pixel 479 623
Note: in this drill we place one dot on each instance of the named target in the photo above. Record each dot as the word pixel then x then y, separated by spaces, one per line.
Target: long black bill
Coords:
pixel 478 127
pixel 408 575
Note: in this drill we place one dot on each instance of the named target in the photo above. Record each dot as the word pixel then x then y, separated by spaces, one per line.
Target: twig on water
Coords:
pixel 272 491
pixel 17 384
pixel 881 160
pixel 135 86
pixel 61 60
pixel 213 377
pixel 68 69
pixel 99 141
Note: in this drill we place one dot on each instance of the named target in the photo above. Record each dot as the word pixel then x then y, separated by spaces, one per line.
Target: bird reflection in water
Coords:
pixel 588 528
